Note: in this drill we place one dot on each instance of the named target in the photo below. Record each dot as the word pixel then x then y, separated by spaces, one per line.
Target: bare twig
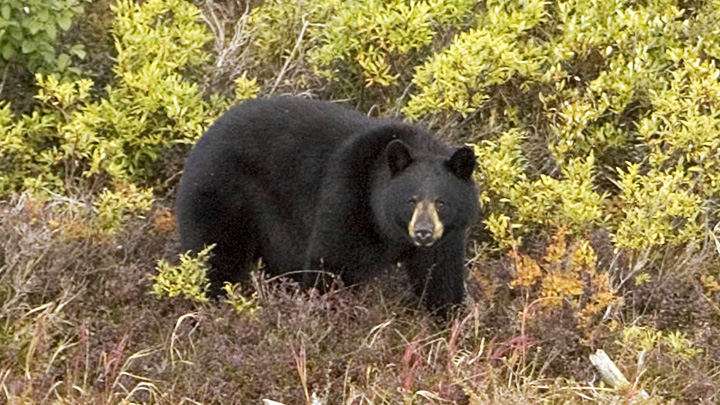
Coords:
pixel 2 84
pixel 290 58
pixel 230 53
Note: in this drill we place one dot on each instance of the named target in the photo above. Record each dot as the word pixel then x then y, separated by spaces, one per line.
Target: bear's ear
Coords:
pixel 398 156
pixel 462 163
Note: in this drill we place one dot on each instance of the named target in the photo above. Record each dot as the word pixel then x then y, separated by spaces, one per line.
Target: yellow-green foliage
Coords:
pixel 72 140
pixel 375 40
pixel 113 207
pixel 622 97
pixel 153 106
pixel 658 208
pixel 245 88
pixel 277 26
pixel 240 303
pixel 456 79
pixel 156 31
pixel 356 43
pixel 187 279
pixel 39 150
pixel 644 339
pixel 517 205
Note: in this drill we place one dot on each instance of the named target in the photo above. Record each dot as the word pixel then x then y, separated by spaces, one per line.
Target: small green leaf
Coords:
pixel 34 26
pixel 43 15
pixel 28 45
pixel 5 11
pixel 51 31
pixel 78 50
pixel 16 33
pixel 8 51
pixel 64 21
pixel 63 61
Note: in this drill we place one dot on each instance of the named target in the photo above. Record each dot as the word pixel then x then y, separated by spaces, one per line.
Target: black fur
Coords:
pixel 308 185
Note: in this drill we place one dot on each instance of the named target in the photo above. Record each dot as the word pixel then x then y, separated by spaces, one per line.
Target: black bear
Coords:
pixel 313 188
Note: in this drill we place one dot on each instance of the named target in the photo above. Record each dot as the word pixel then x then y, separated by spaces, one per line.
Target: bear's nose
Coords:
pixel 423 236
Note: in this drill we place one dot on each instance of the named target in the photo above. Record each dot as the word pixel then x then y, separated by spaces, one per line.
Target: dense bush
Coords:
pixel 29 30
pixel 355 44
pixel 378 41
pixel 76 141
pixel 620 96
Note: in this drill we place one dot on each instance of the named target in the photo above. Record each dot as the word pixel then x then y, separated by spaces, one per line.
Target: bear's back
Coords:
pixel 278 138
pixel 272 140
pixel 270 156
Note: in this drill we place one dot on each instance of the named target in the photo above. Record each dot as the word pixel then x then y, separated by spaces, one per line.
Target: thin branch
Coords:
pixel 290 58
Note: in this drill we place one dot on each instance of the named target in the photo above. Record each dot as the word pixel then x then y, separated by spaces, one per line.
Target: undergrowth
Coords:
pixel 80 325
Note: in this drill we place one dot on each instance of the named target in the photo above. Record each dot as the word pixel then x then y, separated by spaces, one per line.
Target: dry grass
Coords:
pixel 78 325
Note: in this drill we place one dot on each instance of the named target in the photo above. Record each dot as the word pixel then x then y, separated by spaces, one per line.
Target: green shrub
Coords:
pixel 153 106
pixel 277 25
pixel 74 142
pixel 113 207
pixel 518 205
pixel 187 279
pixel 148 108
pixel 239 303
pixel 43 151
pixel 594 115
pixel 245 88
pixel 29 33
pixel 352 44
pixel 457 79
pixel 377 41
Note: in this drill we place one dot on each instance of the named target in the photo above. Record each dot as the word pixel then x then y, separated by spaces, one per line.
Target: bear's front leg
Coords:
pixel 438 274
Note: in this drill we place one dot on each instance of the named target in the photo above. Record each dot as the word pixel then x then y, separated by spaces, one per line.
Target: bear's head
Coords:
pixel 426 196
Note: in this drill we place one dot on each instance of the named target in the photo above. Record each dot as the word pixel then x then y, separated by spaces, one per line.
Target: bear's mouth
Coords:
pixel 423 243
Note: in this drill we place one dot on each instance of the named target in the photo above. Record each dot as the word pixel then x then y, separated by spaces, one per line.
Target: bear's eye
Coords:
pixel 412 202
pixel 439 204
